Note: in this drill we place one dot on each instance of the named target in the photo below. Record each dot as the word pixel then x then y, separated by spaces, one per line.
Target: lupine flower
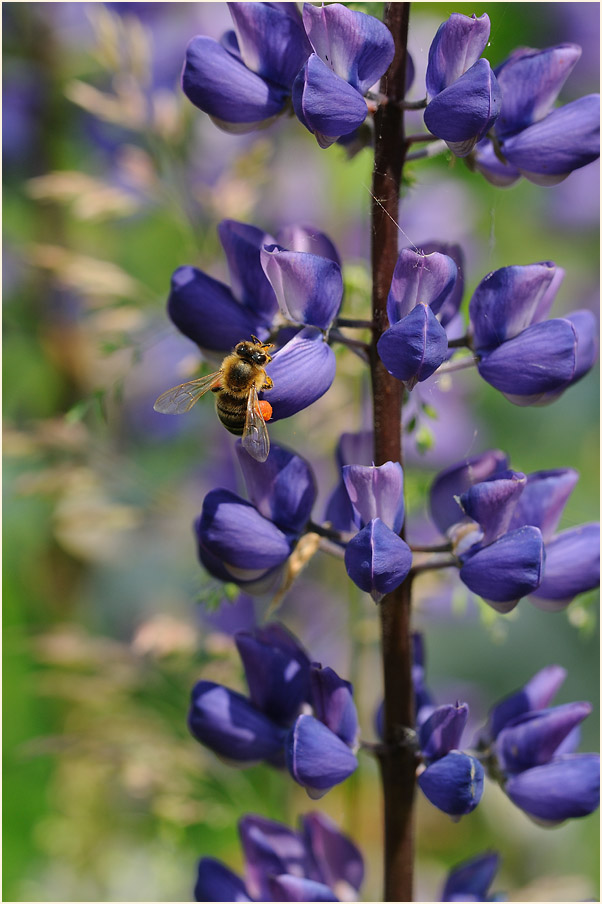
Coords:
pixel 316 863
pixel 415 344
pixel 572 563
pixel 452 779
pixel 463 95
pixel 351 51
pixel 471 880
pixel 216 316
pixel 533 139
pixel 497 563
pixel 529 359
pixel 529 748
pixel 244 81
pixel 275 722
pixel 508 517
pixel 248 542
pixel 376 558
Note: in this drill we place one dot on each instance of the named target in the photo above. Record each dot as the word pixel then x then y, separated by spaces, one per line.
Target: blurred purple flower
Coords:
pixel 274 723
pixel 471 879
pixel 530 748
pixel 316 863
pixel 500 522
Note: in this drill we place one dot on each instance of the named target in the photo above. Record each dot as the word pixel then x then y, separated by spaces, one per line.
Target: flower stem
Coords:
pixel 397 761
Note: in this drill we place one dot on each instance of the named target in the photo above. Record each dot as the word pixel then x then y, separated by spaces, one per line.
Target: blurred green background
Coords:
pixel 111 181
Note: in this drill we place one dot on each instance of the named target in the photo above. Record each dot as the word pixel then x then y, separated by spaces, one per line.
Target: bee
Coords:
pixel 236 384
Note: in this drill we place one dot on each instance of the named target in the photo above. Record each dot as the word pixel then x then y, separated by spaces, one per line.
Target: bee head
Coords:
pixel 254 352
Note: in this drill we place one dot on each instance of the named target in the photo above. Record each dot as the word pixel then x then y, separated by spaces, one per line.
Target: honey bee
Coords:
pixel 236 384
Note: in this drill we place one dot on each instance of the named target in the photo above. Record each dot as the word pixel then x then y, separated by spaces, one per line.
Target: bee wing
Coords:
pixel 180 399
pixel 255 438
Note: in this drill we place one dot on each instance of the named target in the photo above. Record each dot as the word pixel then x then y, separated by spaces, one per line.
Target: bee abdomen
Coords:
pixel 232 412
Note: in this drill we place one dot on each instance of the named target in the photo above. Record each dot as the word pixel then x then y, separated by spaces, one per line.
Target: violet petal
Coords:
pixel 219 84
pixel 530 82
pixel 420 278
pixel 357 47
pixel 567 787
pixel 215 882
pixel 302 371
pixel 457 479
pixel 309 288
pixel 508 569
pixel 506 301
pixel 458 44
pixel 540 360
pixel 376 492
pixel 377 560
pixel 453 783
pixel 230 725
pixel 572 566
pixel 206 311
pixel 282 488
pixel 414 347
pixel 316 758
pixel 325 103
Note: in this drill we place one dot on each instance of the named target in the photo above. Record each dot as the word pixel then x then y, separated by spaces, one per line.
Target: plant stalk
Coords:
pixel 397 756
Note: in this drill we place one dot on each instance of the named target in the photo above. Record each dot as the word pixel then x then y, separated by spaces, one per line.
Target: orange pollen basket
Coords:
pixel 265 408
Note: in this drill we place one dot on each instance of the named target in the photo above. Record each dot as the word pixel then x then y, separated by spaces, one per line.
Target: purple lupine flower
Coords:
pixel 216 317
pixel 530 360
pixel 248 542
pixel 530 748
pixel 572 563
pixel 463 95
pixel 415 344
pixel 471 879
pixel 244 81
pixel 376 558
pixel 316 863
pixel 351 51
pixel 532 139
pixel 274 723
pixel 499 561
pixel 452 779
pixel 509 516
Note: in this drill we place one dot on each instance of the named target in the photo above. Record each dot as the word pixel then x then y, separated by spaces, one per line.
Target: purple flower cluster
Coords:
pixel 531 360
pixel 529 747
pixel 297 714
pixel 503 120
pixel 324 62
pixel 502 523
pixel 526 746
pixel 316 863
pixel 294 281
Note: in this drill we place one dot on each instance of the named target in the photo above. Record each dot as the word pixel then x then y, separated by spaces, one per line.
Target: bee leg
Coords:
pixel 268 383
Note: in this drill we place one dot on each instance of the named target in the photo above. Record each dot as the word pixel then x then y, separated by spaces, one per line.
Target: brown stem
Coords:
pixel 397 758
